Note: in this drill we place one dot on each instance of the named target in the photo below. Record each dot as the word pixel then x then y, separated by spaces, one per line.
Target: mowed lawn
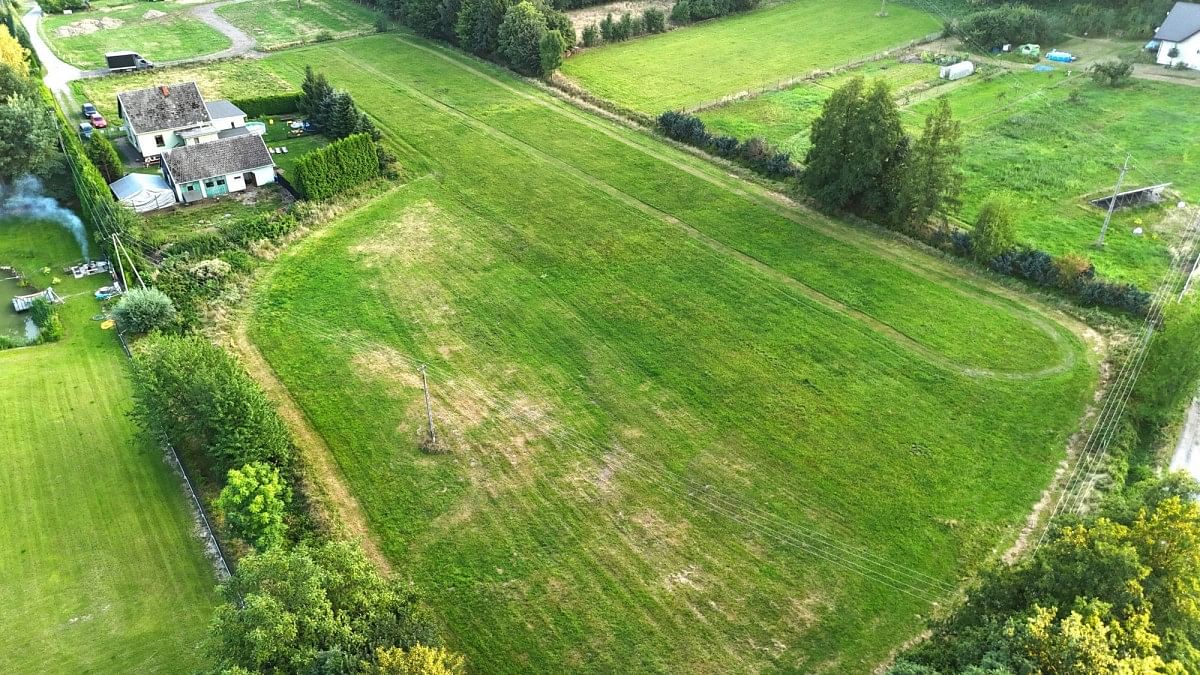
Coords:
pixel 709 60
pixel 176 35
pixel 686 429
pixel 100 567
pixel 231 79
pixel 280 23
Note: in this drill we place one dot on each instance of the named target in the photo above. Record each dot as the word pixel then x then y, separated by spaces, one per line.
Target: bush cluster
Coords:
pixel 337 167
pixel 273 104
pixel 753 153
pixel 45 317
pixel 57 6
pixel 687 11
pixel 653 20
pixel 1007 24
pixel 191 394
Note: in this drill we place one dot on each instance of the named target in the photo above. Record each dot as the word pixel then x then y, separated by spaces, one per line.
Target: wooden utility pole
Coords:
pixel 120 265
pixel 428 408
pixel 1112 203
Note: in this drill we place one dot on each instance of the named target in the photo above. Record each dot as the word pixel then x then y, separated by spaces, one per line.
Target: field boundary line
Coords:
pixel 967 287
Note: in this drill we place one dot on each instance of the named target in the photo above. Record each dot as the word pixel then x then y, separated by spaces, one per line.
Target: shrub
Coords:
pixel 143 310
pixel 684 128
pixel 271 104
pixel 323 36
pixel 606 28
pixel 382 25
pixel 995 231
pixel 654 20
pixel 1072 269
pixel 419 660
pixel 1111 73
pixel 591 36
pixel 254 502
pixel 337 167
pixel 681 13
pixel 45 317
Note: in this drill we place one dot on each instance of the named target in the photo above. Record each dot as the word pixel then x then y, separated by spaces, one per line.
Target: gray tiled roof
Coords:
pixel 219 109
pixel 217 158
pixel 1182 23
pixel 163 107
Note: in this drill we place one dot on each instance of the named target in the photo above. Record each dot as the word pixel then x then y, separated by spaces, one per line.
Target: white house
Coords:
pixel 1179 36
pixel 168 116
pixel 197 171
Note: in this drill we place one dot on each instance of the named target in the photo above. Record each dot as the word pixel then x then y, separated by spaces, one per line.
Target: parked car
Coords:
pixel 89 110
pixel 98 121
pixel 85 129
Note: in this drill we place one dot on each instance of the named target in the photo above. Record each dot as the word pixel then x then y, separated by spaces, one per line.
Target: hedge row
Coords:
pixel 275 104
pixel 337 167
pixel 1071 274
pixel 754 153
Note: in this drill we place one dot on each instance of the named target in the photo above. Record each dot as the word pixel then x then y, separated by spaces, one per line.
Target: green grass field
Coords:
pixel 717 58
pixel 784 116
pixel 100 568
pixel 621 340
pixel 275 24
pixel 177 35
pixel 232 79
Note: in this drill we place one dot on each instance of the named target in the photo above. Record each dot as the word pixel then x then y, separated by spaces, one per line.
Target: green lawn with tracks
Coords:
pixel 275 24
pixel 100 566
pixel 176 35
pixel 684 424
pixel 709 60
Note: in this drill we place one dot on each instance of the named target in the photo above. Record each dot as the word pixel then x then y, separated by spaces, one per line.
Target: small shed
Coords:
pixel 143 192
pixel 957 71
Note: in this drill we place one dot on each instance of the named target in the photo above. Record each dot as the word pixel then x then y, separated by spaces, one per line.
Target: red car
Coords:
pixel 98 121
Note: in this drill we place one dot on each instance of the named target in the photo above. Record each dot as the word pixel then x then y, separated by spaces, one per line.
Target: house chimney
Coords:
pixel 166 91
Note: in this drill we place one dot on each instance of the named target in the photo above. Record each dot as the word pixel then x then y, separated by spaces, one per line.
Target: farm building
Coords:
pixel 1178 37
pixel 219 167
pixel 142 192
pixel 164 117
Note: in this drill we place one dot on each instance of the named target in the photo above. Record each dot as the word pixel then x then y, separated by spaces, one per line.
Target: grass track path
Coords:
pixel 1068 356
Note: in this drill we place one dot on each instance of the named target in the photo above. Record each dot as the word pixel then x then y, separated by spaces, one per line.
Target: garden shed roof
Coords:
pixel 218 158
pixel 1182 22
pixel 169 106
pixel 219 109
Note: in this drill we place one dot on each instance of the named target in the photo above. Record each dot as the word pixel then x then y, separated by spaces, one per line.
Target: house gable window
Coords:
pixel 159 141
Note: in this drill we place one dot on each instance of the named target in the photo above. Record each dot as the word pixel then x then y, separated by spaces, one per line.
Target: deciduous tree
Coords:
pixel 254 501
pixel 520 37
pixel 995 230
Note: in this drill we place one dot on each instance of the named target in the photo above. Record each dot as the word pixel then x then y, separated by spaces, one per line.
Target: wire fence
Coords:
pixel 786 83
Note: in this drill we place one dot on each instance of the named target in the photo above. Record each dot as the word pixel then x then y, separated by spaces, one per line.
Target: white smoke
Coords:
pixel 25 198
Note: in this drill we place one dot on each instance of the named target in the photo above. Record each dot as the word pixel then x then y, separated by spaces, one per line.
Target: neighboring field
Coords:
pixel 232 79
pixel 704 62
pixel 621 339
pixel 784 117
pixel 138 27
pixel 1051 143
pixel 279 23
pixel 1048 141
pixel 100 568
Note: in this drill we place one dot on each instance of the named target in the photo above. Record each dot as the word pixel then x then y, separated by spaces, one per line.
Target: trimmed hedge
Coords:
pixel 754 153
pixel 263 106
pixel 337 167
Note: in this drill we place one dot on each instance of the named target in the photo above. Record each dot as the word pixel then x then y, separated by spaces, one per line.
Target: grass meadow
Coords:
pixel 231 79
pixel 174 35
pixel 684 424
pixel 100 568
pixel 712 59
pixel 275 24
